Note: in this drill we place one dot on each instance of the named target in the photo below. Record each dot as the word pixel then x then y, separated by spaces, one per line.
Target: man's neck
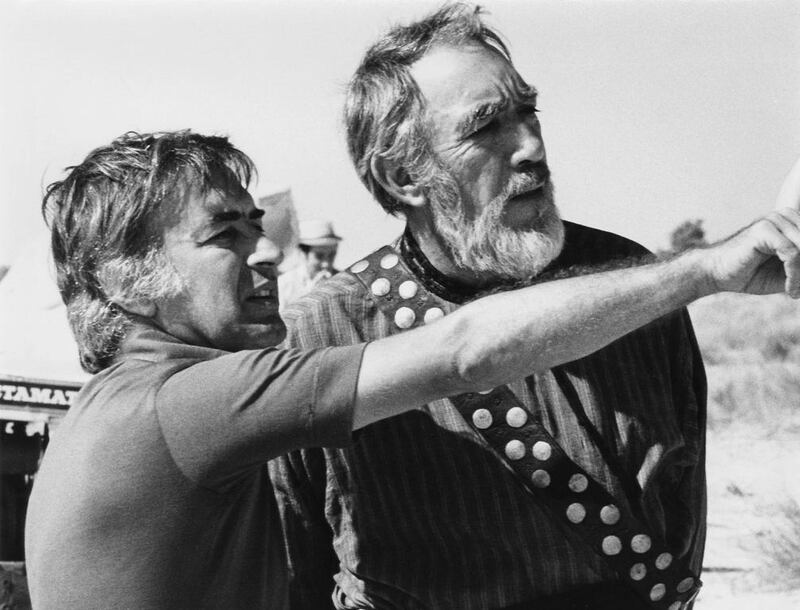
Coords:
pixel 439 257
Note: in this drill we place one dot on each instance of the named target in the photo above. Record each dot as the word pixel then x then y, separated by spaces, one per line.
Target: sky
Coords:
pixel 653 112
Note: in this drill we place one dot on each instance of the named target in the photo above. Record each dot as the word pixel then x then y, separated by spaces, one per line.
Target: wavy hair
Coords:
pixel 106 226
pixel 384 112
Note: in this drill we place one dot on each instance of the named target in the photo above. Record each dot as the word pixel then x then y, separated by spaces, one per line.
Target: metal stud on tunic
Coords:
pixel 404 317
pixel 578 483
pixel 542 451
pixel 609 514
pixel 576 513
pixel 515 450
pixel 516 417
pixel 640 543
pixel 433 314
pixel 407 289
pixel 663 561
pixel 389 261
pixel 685 585
pixel 482 418
pixel 638 571
pixel 380 287
pixel 611 545
pixel 359 266
pixel 657 592
pixel 540 478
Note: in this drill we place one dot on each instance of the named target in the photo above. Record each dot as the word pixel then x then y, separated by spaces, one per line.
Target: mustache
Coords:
pixel 533 178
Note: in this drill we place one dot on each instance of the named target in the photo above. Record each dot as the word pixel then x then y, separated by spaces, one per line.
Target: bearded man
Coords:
pixel 432 509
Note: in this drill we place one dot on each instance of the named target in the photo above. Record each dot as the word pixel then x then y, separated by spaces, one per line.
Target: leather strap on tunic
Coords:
pixel 578 503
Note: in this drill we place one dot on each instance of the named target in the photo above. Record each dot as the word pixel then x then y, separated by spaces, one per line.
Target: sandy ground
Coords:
pixel 750 476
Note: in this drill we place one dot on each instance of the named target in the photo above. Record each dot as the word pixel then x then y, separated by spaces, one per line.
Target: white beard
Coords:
pixel 485 245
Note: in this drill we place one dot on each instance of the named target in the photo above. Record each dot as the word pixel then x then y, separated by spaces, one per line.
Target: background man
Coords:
pixel 318 244
pixel 420 512
pixel 154 493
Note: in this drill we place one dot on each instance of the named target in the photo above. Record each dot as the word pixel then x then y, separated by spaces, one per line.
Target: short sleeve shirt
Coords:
pixel 154 491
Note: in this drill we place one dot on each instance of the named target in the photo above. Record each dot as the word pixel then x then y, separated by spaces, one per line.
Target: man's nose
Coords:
pixel 265 258
pixel 529 146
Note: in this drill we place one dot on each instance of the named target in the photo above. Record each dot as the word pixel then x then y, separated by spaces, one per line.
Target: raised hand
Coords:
pixel 764 258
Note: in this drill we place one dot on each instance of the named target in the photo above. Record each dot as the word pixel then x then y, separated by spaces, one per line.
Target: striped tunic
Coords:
pixel 420 513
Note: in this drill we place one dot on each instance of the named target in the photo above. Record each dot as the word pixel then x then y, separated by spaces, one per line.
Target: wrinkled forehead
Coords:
pixel 453 79
pixel 196 204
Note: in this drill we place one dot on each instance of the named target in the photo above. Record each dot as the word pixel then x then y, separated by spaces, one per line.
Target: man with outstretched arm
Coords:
pixel 154 492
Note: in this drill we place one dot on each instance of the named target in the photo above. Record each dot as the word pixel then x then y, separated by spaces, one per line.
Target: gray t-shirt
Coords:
pixel 154 491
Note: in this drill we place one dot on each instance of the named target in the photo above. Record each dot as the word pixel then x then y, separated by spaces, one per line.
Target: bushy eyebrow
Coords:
pixel 480 113
pixel 234 215
pixel 524 93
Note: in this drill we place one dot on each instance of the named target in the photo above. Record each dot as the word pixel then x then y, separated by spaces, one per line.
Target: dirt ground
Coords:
pixel 750 477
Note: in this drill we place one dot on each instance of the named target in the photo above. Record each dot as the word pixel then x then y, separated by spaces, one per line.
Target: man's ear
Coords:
pixel 397 182
pixel 145 308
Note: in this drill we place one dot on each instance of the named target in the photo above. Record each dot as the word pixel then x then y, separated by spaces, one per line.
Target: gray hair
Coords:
pixel 384 108
pixel 106 233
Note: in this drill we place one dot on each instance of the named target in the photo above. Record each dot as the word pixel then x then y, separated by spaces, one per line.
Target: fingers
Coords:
pixel 786 245
pixel 789 194
pixel 787 221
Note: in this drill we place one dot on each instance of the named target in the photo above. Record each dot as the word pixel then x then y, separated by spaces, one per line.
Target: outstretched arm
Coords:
pixel 506 336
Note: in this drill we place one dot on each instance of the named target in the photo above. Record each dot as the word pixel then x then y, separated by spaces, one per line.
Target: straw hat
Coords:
pixel 317 233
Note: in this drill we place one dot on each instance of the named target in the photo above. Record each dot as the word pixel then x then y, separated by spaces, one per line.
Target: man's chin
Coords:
pixel 262 335
pixel 521 254
pixel 275 332
pixel 276 335
pixel 528 212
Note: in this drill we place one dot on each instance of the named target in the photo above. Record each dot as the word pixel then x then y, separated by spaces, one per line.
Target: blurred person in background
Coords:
pixel 318 245
pixel 579 486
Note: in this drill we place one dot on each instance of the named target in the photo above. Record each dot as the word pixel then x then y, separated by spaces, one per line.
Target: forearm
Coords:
pixel 513 334
pixel 507 336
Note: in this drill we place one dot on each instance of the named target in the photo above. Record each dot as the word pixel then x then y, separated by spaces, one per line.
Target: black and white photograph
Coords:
pixel 400 305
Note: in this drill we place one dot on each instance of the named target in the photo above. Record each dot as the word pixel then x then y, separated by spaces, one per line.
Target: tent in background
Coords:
pixel 39 369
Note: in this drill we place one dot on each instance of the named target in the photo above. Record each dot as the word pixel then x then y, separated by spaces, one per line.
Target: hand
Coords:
pixel 789 195
pixel 764 258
